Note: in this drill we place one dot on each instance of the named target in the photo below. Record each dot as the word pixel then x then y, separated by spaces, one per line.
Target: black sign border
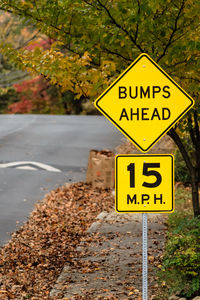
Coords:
pixel 168 128
pixel 116 183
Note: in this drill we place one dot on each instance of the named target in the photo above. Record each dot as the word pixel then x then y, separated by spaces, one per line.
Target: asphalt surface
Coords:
pixel 27 142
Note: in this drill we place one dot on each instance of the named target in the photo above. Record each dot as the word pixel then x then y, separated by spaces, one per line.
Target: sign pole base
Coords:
pixel 144 256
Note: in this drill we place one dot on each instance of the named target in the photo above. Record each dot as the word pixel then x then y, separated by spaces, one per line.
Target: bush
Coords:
pixel 36 96
pixel 71 105
pixel 181 263
pixel 181 171
pixel 7 97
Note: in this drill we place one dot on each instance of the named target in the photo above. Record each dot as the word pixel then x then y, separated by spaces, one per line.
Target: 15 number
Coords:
pixel 146 172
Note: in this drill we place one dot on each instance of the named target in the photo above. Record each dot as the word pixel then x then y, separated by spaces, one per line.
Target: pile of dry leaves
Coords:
pixel 34 257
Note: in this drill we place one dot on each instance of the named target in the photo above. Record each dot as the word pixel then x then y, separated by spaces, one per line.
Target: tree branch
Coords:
pixel 196 127
pixel 37 9
pixel 137 25
pixel 173 32
pixel 29 40
pixel 192 134
pixel 26 14
pixel 116 53
pixel 90 4
pixel 190 78
pixel 176 64
pixel 58 13
pixel 173 134
pixel 120 26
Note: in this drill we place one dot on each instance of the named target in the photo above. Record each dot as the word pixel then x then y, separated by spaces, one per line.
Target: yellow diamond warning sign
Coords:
pixel 144 183
pixel 144 102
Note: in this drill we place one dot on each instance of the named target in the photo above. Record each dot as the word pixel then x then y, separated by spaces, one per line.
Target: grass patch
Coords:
pixel 181 262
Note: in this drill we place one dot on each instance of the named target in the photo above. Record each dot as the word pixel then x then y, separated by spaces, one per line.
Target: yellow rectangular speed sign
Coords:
pixel 144 183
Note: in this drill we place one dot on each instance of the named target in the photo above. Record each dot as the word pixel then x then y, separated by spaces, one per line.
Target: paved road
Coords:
pixel 60 143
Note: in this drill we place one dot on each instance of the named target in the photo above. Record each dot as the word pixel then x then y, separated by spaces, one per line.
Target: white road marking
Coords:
pixel 27 168
pixel 22 164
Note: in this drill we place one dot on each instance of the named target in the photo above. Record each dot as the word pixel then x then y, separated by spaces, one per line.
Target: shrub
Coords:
pixel 181 263
pixel 37 96
pixel 7 97
pixel 181 171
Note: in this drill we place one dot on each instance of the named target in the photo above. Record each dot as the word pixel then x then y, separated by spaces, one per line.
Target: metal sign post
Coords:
pixel 144 256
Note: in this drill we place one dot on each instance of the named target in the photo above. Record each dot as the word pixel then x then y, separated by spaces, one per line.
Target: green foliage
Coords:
pixel 181 262
pixel 14 32
pixel 98 39
pixel 71 104
pixel 182 256
pixel 182 173
pixel 7 97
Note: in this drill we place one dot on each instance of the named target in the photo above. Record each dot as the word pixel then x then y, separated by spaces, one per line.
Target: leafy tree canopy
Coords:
pixel 19 35
pixel 96 39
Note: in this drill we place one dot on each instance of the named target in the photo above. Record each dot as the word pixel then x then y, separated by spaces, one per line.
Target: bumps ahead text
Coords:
pixel 129 93
pixel 144 102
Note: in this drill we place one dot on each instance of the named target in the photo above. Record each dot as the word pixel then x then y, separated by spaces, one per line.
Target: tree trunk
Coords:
pixel 195 193
pixel 192 170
